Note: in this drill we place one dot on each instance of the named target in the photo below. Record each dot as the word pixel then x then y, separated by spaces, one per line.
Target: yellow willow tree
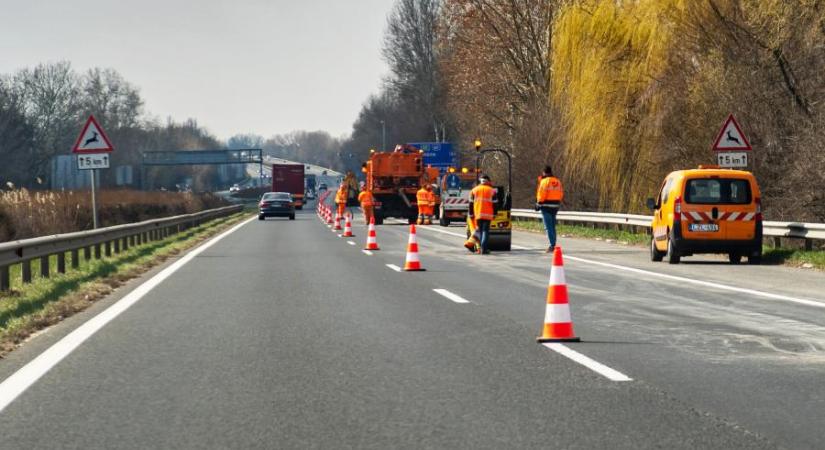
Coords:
pixel 607 59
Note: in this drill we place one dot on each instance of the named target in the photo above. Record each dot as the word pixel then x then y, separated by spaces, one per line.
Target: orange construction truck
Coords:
pixel 394 178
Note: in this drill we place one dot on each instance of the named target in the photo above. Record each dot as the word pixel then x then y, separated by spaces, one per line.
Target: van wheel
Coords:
pixel 673 256
pixel 734 258
pixel 755 258
pixel 292 217
pixel 444 222
pixel 655 254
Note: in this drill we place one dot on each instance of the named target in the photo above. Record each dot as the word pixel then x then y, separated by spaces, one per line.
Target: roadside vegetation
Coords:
pixel 26 214
pixel 30 307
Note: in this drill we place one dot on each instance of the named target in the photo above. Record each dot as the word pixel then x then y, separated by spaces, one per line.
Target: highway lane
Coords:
pixel 757 361
pixel 283 335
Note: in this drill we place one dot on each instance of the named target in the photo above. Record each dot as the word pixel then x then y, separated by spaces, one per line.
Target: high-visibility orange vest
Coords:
pixel 549 190
pixel 431 198
pixel 482 196
pixel 365 198
pixel 422 197
pixel 341 196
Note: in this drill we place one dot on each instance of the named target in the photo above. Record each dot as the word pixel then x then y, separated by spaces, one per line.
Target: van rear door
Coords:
pixel 719 207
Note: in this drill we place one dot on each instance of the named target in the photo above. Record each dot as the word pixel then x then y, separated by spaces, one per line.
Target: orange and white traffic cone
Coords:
pixel 348 227
pixel 328 216
pixel 412 263
pixel 558 325
pixel 372 241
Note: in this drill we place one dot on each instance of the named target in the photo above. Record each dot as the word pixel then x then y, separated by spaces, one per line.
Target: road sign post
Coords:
pixel 92 149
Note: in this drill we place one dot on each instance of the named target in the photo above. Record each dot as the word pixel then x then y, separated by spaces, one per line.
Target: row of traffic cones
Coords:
pixel 558 323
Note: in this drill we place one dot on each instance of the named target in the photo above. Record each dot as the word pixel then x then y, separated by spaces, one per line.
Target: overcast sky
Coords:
pixel 237 66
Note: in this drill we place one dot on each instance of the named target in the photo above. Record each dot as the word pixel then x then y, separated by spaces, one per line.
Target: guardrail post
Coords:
pixel 97 251
pixel 116 244
pixel 107 249
pixel 44 266
pixel 61 262
pixel 809 244
pixel 5 278
pixel 777 242
pixel 26 271
pixel 126 243
pixel 76 257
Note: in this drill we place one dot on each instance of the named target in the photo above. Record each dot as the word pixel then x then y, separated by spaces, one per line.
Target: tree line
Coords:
pixel 613 94
pixel 43 108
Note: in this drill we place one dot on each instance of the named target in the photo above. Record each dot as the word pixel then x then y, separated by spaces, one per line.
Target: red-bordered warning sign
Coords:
pixel 731 137
pixel 92 139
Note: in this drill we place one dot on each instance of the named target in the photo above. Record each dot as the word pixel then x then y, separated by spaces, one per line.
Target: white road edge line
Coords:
pixel 367 252
pixel 709 284
pixel 591 364
pixel 27 375
pixel 350 243
pixel 801 301
pixel 394 267
pixel 451 296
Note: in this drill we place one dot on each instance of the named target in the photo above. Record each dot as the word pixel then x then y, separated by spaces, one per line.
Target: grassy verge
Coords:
pixel 620 236
pixel 28 308
pixel 808 259
pixel 788 256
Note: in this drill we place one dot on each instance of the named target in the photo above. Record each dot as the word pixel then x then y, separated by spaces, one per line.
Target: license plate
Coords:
pixel 703 227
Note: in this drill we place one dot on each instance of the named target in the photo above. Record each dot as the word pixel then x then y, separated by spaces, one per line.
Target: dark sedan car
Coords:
pixel 276 204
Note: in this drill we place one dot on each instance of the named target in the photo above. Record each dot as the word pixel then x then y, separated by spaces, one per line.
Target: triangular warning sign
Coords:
pixel 731 137
pixel 92 139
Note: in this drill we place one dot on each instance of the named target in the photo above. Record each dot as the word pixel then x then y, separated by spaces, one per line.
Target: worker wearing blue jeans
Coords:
pixel 548 216
pixel 549 197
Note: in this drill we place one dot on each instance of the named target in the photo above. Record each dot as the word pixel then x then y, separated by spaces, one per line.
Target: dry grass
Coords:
pixel 25 214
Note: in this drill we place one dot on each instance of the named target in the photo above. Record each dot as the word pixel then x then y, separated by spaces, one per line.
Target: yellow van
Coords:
pixel 707 210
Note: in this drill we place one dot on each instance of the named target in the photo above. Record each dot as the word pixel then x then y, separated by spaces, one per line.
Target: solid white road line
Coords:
pixel 591 364
pixel 367 252
pixel 451 296
pixel 350 243
pixel 24 378
pixel 394 267
pixel 725 287
pixel 801 301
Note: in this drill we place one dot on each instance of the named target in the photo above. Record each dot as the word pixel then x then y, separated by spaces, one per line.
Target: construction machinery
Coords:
pixel 501 228
pixel 454 188
pixel 394 178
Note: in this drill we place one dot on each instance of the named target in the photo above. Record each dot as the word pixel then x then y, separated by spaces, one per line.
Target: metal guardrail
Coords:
pixel 776 230
pixel 102 241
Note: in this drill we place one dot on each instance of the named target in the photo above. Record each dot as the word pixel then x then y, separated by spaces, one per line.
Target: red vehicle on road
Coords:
pixel 289 178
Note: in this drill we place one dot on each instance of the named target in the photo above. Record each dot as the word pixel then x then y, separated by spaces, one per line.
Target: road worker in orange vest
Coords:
pixel 367 202
pixel 341 199
pixel 426 200
pixel 549 198
pixel 483 199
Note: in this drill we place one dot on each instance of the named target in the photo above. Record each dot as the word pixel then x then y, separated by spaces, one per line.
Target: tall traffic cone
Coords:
pixel 348 227
pixel 372 241
pixel 412 263
pixel 337 226
pixel 558 325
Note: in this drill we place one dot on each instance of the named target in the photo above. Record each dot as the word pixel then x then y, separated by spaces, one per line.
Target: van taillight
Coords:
pixel 758 209
pixel 677 207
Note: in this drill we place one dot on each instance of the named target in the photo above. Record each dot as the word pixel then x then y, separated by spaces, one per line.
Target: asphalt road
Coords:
pixel 284 335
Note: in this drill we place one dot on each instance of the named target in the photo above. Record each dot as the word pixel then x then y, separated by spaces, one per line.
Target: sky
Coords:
pixel 239 66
